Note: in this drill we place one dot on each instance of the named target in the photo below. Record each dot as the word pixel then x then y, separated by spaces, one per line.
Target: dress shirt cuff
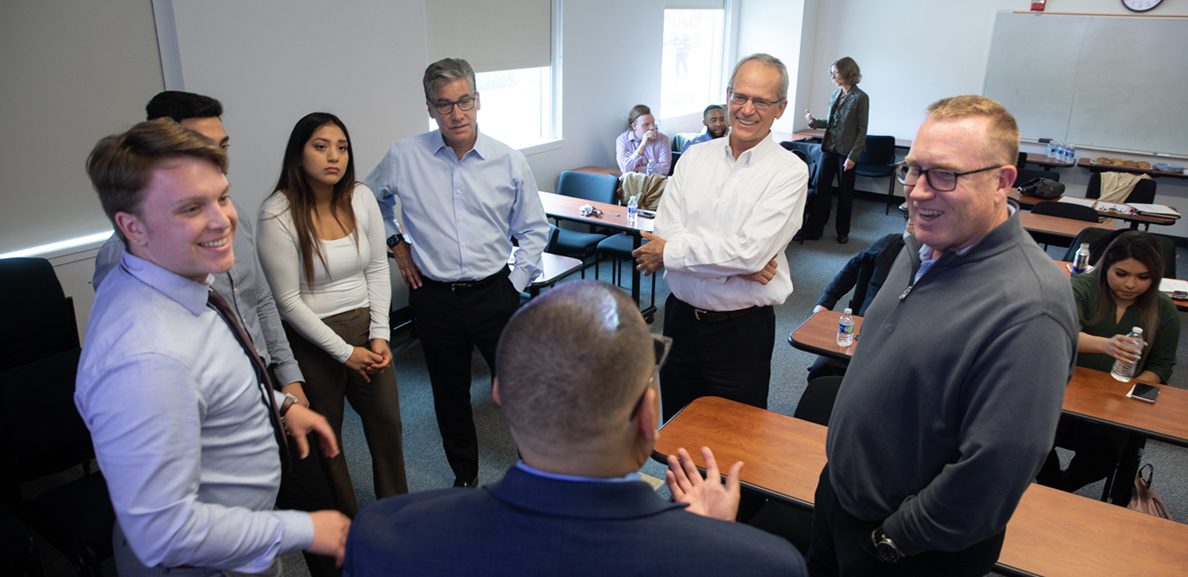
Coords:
pixel 519 279
pixel 390 228
pixel 298 532
pixel 288 373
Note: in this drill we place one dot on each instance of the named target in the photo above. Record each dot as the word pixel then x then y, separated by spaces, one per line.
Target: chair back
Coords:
pixel 1026 175
pixel 879 152
pixel 810 152
pixel 41 432
pixel 1066 210
pixel 1100 238
pixel 816 404
pixel 39 319
pixel 1143 193
pixel 595 187
pixel 672 167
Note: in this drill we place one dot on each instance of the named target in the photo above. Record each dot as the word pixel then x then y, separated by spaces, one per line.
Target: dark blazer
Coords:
pixel 530 525
pixel 870 267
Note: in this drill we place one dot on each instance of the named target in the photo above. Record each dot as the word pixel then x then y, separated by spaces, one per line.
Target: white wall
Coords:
pixel 774 27
pixel 914 52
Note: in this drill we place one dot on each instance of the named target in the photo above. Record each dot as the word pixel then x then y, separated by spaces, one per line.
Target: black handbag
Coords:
pixel 1042 188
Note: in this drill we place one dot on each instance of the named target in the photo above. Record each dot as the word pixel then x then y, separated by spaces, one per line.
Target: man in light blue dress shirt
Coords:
pixel 463 197
pixel 179 417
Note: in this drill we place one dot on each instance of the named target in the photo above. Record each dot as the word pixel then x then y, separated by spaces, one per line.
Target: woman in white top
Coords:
pixel 321 243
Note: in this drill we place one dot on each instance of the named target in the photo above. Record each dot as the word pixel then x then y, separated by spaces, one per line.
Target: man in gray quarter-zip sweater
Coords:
pixel 950 405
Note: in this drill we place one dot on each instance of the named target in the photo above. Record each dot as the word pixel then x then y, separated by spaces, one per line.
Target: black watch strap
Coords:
pixel 395 240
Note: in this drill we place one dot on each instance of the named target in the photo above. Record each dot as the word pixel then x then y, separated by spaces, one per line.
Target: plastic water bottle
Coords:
pixel 1124 370
pixel 1081 260
pixel 1051 149
pixel 845 328
pixel 1060 152
pixel 633 209
pixel 651 167
pixel 1072 153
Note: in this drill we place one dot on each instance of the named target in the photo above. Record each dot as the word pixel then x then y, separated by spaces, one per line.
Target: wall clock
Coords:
pixel 1141 5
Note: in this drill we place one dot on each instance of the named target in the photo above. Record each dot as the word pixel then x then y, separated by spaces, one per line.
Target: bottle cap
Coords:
pixel 847 312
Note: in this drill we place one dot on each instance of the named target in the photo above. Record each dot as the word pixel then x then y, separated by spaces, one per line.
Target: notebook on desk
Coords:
pixel 1159 209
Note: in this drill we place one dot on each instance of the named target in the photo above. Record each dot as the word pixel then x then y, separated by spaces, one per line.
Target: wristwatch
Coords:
pixel 395 240
pixel 885 548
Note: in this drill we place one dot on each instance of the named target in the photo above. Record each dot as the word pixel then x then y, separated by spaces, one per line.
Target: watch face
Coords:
pixel 887 553
pixel 1140 5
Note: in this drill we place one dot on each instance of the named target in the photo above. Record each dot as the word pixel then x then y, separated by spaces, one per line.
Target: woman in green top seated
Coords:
pixel 1122 293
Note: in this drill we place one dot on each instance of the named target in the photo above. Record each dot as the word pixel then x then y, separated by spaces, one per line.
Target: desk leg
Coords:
pixel 1119 491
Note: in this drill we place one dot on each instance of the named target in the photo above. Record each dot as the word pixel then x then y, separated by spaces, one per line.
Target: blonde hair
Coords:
pixel 1003 134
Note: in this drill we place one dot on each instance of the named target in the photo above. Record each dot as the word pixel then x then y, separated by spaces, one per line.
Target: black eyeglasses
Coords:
pixel 760 104
pixel 940 179
pixel 660 347
pixel 465 104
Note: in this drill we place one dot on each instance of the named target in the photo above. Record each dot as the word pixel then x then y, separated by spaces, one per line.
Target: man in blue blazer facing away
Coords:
pixel 577 378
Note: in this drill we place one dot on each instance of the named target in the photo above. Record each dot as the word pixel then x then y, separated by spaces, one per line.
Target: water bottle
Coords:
pixel 1072 153
pixel 651 167
pixel 1081 260
pixel 1051 149
pixel 1060 152
pixel 1124 370
pixel 845 328
pixel 633 209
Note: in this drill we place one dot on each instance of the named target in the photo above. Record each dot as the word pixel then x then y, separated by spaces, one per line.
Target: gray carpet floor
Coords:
pixel 812 265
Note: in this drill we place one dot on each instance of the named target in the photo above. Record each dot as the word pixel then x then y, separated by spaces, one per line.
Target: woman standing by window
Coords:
pixel 321 244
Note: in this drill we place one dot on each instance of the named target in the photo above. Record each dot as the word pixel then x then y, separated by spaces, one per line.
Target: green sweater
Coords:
pixel 1160 354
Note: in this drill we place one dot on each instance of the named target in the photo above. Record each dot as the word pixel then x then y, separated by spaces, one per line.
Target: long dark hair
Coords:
pixel 302 203
pixel 1143 247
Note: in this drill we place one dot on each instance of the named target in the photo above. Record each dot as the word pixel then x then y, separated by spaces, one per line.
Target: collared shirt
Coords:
pixel 703 137
pixel 927 260
pixel 658 150
pixel 521 465
pixel 462 213
pixel 244 288
pixel 723 218
pixel 180 428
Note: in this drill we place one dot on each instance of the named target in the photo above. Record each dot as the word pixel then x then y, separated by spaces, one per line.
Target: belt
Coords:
pixel 707 316
pixel 467 285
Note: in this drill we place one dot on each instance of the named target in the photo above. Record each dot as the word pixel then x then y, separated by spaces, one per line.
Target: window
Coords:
pixel 691 77
pixel 517 106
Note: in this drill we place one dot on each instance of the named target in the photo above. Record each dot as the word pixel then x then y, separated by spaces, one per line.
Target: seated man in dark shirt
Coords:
pixel 876 262
pixel 576 375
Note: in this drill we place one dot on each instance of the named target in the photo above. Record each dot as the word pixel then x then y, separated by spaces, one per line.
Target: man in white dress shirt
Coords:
pixel 721 229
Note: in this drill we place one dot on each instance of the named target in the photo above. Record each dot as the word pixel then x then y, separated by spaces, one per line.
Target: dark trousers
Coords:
pixel 329 383
pixel 729 359
pixel 451 322
pixel 1098 451
pixel 304 488
pixel 841 546
pixel 832 165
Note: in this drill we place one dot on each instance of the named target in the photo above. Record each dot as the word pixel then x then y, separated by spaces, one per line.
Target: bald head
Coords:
pixel 571 365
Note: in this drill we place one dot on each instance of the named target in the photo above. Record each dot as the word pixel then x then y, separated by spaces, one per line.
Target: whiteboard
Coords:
pixel 1098 81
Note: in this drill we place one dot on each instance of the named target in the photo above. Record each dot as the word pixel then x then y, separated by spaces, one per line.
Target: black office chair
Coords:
pixel 42 435
pixel 1063 210
pixel 1143 193
pixel 39 319
pixel 816 403
pixel 810 153
pixel 18 552
pixel 672 165
pixel 582 240
pixel 878 161
pixel 1100 238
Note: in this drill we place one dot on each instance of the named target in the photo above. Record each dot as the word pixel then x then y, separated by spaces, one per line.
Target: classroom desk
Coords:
pixel 1047 163
pixel 819 134
pixel 1090 394
pixel 1052 533
pixel 614 216
pixel 553 267
pixel 1094 167
pixel 1027 201
pixel 1058 226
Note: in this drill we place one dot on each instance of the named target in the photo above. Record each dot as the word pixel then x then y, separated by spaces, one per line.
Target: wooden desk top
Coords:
pixel 1027 201
pixel 820 133
pixel 614 216
pixel 1058 225
pixel 1094 395
pixel 1052 533
pixel 1089 164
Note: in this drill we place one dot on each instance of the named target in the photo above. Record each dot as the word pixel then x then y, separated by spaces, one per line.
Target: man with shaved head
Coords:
pixel 577 378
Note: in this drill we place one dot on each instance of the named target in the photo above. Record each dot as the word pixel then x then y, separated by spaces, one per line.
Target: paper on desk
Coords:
pixel 1154 209
pixel 1104 206
pixel 1168 285
pixel 1089 202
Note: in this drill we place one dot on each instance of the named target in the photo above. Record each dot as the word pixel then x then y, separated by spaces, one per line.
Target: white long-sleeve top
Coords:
pixel 723 218
pixel 356 276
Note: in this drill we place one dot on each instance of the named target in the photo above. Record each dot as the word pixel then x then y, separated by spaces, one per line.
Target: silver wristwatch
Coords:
pixel 885 548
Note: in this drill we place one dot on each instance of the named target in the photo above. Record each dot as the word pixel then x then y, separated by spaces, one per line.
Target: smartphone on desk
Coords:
pixel 1144 393
pixel 647 213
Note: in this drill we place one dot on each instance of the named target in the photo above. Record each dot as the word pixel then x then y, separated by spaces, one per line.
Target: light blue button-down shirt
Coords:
pixel 462 213
pixel 180 428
